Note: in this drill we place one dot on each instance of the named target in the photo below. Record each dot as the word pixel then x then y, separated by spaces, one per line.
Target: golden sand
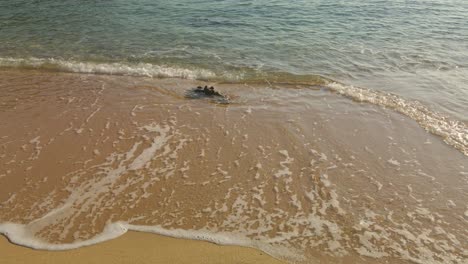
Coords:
pixel 137 248
pixel 302 174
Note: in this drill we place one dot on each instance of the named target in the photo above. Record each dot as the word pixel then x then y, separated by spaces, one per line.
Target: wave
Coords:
pixel 116 68
pixel 18 234
pixel 233 75
pixel 453 132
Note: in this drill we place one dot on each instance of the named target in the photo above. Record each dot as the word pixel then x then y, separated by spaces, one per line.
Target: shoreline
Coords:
pixel 441 124
pixel 91 150
pixel 137 247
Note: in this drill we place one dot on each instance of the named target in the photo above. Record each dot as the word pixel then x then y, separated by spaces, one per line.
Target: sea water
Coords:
pixel 417 49
pixel 342 136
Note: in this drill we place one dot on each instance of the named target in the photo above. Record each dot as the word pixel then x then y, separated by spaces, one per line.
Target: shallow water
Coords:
pixel 301 173
pixel 417 49
pixel 345 139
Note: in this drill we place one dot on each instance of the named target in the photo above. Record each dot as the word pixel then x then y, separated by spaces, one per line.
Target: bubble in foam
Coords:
pixel 394 162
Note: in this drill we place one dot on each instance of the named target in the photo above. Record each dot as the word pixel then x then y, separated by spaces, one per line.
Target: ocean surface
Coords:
pixel 341 135
pixel 417 49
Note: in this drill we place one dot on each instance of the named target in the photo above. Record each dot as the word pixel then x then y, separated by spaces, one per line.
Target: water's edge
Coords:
pixel 453 132
pixel 17 234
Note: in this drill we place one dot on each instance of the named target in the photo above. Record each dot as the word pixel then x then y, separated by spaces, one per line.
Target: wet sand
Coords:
pixel 138 248
pixel 296 171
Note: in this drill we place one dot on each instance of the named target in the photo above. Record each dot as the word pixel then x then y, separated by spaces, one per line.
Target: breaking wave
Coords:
pixel 138 69
pixel 453 132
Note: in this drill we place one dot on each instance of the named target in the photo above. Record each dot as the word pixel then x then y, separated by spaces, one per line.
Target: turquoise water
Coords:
pixel 417 49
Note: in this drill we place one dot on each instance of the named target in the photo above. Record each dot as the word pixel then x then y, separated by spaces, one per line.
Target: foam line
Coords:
pixel 137 69
pixel 19 235
pixel 454 133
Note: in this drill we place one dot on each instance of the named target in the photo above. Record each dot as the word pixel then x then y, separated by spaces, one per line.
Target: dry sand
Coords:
pixel 138 248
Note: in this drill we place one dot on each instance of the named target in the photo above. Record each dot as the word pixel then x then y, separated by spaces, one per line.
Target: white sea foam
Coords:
pixel 19 234
pixel 394 162
pixel 454 133
pixel 284 171
pixel 137 69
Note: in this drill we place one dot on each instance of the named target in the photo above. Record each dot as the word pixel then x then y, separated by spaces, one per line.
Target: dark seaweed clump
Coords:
pixel 207 92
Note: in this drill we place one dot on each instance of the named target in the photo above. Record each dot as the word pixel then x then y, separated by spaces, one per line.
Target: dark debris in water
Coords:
pixel 207 92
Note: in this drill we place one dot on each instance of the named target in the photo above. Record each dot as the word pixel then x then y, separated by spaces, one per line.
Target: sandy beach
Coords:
pixel 298 172
pixel 299 132
pixel 138 248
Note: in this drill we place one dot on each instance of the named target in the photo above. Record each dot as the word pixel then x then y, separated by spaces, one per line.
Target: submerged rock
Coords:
pixel 207 91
